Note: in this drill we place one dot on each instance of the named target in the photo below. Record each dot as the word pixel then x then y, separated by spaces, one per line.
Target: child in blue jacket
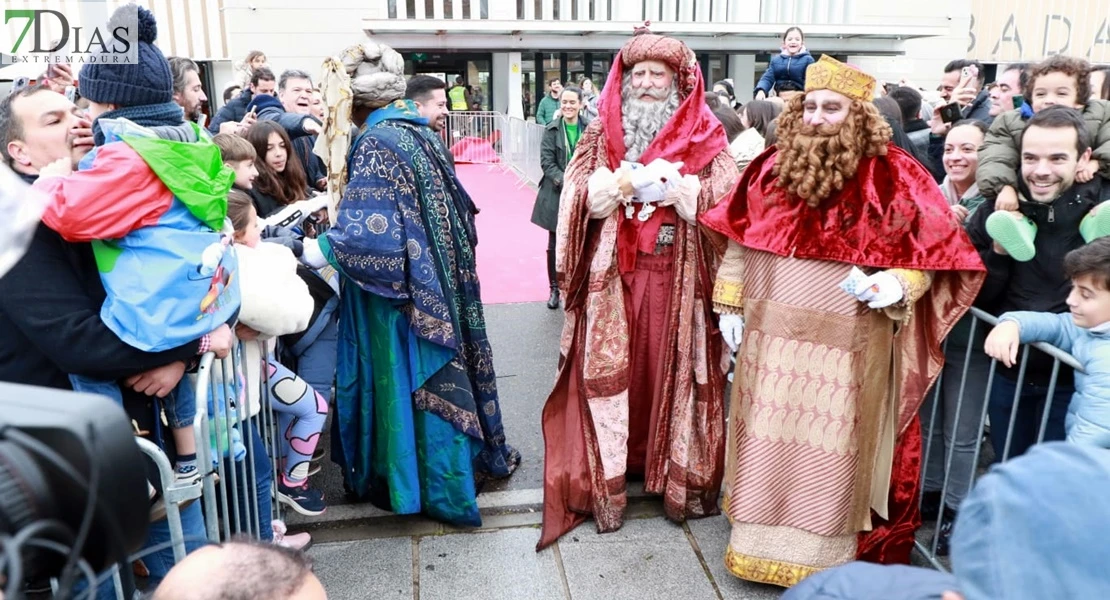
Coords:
pixel 787 71
pixel 1084 333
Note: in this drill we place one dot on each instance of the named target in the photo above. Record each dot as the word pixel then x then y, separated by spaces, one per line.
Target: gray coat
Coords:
pixel 553 160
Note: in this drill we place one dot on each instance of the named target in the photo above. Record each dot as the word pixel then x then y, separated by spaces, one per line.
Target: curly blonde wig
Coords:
pixel 815 161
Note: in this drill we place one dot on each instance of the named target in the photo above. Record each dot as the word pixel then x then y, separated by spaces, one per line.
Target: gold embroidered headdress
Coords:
pixel 831 74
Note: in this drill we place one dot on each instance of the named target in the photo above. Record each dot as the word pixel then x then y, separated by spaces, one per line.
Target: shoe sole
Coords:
pixel 1012 235
pixel 286 500
pixel 1100 224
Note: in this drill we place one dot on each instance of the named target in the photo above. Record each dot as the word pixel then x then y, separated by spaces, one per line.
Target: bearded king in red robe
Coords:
pixel 842 275
pixel 640 386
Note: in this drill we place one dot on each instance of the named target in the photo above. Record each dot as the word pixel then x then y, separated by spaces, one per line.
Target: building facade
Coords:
pixel 510 48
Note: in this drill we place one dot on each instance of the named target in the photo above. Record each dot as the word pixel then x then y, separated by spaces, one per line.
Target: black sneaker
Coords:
pixel 303 499
pixel 930 507
pixel 944 534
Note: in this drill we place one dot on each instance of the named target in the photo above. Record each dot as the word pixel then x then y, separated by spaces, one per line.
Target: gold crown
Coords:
pixel 831 74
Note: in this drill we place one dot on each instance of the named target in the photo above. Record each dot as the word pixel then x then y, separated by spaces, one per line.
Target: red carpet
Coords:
pixel 512 252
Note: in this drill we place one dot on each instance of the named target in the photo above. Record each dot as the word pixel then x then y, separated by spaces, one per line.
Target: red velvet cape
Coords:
pixel 890 215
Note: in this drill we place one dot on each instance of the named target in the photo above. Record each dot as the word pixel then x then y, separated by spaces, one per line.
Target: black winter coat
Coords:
pixel 553 160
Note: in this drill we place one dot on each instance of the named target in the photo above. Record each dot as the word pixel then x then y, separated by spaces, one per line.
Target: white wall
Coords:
pixel 924 59
pixel 294 36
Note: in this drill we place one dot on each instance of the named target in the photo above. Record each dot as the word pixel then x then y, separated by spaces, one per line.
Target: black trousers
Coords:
pixel 551 260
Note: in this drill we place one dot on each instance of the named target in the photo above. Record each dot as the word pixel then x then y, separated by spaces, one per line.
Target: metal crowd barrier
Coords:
pixel 494 138
pixel 928 538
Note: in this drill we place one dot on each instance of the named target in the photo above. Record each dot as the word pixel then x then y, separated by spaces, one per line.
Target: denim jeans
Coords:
pixel 962 437
pixel 1029 414
pixel 180 405
pixel 316 365
pixel 264 477
pixel 159 563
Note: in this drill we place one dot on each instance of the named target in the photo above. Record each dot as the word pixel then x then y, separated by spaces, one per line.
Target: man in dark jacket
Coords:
pixel 262 83
pixel 50 301
pixel 1054 147
pixel 975 102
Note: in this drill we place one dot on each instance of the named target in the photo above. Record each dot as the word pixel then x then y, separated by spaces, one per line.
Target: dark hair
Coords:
pixel 958 64
pixel 229 93
pixel 976 123
pixel 1104 92
pixel 909 102
pixel 771 137
pixel 761 113
pixel 291 184
pixel 553 80
pixel 11 128
pixel 288 74
pixel 239 207
pixel 421 86
pixel 1092 259
pixel 889 108
pixel 725 114
pixel 1061 117
pixel 1078 68
pixel 262 74
pixel 234 148
pixel 728 87
pixel 794 28
pixel 1023 76
pixel 180 67
pixel 573 89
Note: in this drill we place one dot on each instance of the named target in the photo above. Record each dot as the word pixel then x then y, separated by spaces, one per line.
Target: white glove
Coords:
pixel 732 330
pixel 311 255
pixel 646 184
pixel 666 172
pixel 684 197
pixel 880 290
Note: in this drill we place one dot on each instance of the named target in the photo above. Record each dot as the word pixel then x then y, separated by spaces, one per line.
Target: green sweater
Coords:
pixel 546 109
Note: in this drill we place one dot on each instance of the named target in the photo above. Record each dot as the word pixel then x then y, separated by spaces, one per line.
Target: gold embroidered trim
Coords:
pixel 728 293
pixel 765 570
pixel 914 283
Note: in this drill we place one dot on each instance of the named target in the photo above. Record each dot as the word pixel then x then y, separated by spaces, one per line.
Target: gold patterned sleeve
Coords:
pixel 914 285
pixel 728 289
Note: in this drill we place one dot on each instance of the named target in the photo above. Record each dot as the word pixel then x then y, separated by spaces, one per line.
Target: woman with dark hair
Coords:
pixel 281 179
pixel 725 114
pixel 727 93
pixel 892 112
pixel 756 116
pixel 560 137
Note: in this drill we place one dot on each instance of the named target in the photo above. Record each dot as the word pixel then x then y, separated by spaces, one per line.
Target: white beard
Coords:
pixel 643 120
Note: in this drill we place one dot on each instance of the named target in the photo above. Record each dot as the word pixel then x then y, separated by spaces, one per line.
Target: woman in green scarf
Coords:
pixel 559 139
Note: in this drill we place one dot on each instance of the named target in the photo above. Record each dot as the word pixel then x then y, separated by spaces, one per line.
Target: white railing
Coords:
pixel 494 138
pixel 802 12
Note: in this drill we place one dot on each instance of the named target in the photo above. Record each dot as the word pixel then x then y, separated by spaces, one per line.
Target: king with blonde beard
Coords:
pixel 842 275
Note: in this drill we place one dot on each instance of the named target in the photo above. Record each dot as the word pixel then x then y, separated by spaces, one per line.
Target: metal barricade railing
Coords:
pixel 978 403
pixel 494 138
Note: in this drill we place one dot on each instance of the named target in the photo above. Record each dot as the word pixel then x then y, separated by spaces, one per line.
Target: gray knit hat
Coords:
pixel 148 81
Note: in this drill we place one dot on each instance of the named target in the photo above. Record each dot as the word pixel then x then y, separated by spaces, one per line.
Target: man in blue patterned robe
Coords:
pixel 418 416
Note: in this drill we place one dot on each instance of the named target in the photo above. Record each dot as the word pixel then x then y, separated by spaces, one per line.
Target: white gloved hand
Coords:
pixel 666 172
pixel 312 255
pixel 684 197
pixel 732 330
pixel 646 184
pixel 880 290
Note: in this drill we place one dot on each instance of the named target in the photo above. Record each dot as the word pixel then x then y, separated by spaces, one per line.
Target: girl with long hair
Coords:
pixel 281 180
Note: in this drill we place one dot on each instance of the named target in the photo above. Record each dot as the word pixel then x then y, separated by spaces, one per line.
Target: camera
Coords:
pixel 950 113
pixel 72 485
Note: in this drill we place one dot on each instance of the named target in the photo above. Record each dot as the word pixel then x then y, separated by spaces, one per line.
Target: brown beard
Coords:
pixel 815 161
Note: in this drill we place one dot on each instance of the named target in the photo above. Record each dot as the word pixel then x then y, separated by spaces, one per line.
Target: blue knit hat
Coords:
pixel 148 81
